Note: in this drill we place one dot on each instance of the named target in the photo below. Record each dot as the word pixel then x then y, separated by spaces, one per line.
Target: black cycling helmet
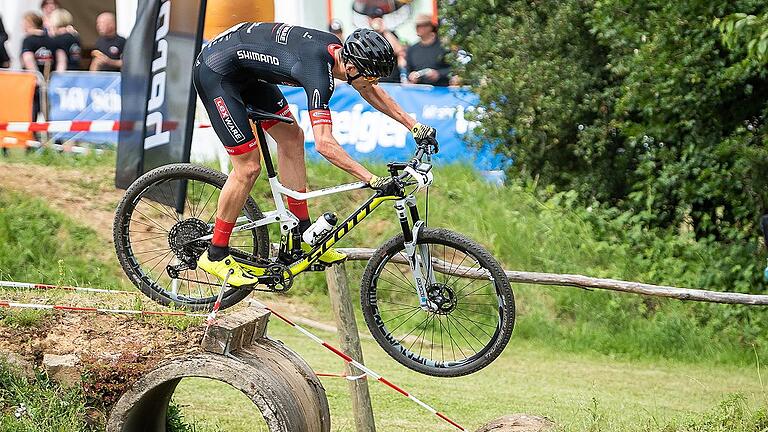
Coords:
pixel 370 52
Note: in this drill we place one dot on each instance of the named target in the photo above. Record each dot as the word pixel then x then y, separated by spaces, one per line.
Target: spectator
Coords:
pixel 377 24
pixel 5 61
pixel 47 7
pixel 337 27
pixel 66 39
pixel 426 59
pixel 37 47
pixel 108 55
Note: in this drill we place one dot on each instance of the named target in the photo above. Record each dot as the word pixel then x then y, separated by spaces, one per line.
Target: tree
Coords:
pixel 636 105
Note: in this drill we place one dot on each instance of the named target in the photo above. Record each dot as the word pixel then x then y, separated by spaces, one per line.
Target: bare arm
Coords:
pixel 383 102
pixel 29 61
pixel 61 60
pixel 327 146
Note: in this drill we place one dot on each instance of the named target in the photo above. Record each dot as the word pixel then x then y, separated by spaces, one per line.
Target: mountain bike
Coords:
pixel 433 299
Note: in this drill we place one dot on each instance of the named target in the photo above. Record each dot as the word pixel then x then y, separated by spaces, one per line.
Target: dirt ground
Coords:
pixel 63 189
pixel 105 338
pixel 89 195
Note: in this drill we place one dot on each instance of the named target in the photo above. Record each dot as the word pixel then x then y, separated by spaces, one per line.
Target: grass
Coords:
pixel 523 231
pixel 37 404
pixel 39 244
pixel 590 361
pixel 578 391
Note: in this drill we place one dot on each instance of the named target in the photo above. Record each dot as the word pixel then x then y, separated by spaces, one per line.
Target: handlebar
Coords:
pixel 423 149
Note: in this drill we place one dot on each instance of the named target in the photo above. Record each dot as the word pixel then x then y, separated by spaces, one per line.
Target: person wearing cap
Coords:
pixel 426 59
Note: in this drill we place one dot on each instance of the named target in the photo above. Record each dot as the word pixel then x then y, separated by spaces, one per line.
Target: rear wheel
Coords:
pixel 154 243
pixel 471 310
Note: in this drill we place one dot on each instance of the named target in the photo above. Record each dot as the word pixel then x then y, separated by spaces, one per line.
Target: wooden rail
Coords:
pixel 584 282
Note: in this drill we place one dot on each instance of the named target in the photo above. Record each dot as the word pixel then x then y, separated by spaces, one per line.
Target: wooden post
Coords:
pixel 338 290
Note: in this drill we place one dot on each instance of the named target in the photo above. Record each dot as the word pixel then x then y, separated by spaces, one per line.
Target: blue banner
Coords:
pixel 85 96
pixel 368 134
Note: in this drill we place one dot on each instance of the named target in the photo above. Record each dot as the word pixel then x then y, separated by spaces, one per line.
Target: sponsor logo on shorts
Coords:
pixel 221 107
pixel 253 55
pixel 281 35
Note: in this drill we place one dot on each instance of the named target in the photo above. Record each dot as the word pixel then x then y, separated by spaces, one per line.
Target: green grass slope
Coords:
pixel 526 232
pixel 591 361
pixel 38 244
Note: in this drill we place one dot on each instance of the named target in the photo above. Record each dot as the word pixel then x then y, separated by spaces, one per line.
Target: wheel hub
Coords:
pixel 441 298
pixel 181 239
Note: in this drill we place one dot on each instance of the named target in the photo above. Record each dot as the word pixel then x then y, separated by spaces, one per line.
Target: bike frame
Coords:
pixel 417 256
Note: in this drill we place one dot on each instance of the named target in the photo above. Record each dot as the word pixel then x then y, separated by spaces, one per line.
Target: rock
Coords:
pixel 518 423
pixel 63 369
pixel 18 364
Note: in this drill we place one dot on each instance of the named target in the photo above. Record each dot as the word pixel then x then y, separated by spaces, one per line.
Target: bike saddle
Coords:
pixel 256 115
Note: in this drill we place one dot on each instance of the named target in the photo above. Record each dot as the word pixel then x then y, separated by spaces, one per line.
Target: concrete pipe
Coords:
pixel 280 384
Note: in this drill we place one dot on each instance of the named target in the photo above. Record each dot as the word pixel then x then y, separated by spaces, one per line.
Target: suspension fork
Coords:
pixel 417 255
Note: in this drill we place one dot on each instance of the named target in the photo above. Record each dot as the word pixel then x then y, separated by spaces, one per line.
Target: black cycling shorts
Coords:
pixel 225 100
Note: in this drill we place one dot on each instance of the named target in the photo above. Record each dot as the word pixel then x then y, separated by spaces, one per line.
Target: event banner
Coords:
pixel 158 96
pixel 367 134
pixel 76 95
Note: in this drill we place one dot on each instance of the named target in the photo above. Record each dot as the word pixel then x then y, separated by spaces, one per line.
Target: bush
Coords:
pixel 635 106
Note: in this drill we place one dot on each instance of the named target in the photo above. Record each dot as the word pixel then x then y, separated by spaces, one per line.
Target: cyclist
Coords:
pixel 240 68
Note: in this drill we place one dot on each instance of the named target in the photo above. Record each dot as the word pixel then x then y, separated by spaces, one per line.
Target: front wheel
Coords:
pixel 471 310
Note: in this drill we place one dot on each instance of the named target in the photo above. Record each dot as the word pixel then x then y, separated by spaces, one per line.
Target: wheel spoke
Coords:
pixel 460 327
pixel 151 230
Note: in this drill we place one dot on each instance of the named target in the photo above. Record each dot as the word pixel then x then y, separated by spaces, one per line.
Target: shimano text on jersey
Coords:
pixel 253 55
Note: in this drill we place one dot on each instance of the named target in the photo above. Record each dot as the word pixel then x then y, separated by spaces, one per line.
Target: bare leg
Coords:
pixel 245 170
pixel 290 153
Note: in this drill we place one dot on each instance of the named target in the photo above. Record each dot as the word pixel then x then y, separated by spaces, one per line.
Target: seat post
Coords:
pixel 265 150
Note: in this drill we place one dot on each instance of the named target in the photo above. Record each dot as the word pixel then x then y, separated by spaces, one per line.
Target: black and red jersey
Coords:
pixel 278 53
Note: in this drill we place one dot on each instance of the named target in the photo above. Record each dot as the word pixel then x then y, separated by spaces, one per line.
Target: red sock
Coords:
pixel 299 207
pixel 221 232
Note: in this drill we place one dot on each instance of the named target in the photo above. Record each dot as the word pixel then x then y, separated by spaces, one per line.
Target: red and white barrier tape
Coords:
pixel 80 126
pixel 31 286
pixel 10 304
pixel 367 371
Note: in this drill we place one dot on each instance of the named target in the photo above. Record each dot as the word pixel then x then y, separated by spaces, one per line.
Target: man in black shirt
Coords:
pixel 108 55
pixel 426 59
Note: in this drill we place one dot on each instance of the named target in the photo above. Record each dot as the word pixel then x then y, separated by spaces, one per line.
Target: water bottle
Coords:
pixel 403 76
pixel 322 226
